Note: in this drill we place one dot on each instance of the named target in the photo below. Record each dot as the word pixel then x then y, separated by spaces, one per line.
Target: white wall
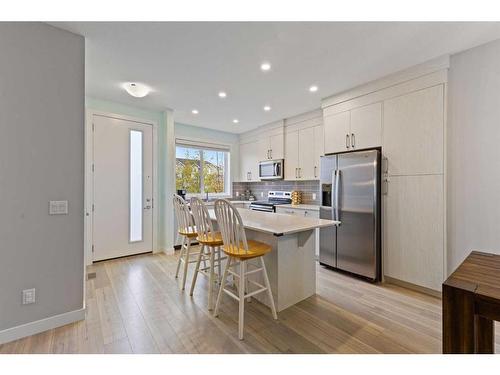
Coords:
pixel 41 159
pixel 474 153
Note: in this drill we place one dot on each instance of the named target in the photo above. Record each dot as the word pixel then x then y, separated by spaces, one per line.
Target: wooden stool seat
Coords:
pixel 255 249
pixel 188 232
pixel 210 239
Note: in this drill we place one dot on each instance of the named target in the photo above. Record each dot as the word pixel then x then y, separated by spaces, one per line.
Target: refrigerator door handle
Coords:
pixel 337 184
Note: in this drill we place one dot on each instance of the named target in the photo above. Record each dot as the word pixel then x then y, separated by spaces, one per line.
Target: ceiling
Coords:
pixel 188 63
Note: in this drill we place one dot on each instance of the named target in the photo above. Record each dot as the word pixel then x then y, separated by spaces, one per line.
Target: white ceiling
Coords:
pixel 188 63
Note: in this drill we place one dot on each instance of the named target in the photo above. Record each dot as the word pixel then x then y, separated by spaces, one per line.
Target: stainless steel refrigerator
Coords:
pixel 350 193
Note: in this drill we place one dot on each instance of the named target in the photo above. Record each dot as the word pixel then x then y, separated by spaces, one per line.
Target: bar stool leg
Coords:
pixel 268 286
pixel 186 262
pixel 180 257
pixel 211 278
pixel 223 282
pixel 219 266
pixel 241 300
pixel 196 270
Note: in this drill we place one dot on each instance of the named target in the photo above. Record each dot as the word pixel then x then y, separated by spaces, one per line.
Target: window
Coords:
pixel 202 168
pixel 135 189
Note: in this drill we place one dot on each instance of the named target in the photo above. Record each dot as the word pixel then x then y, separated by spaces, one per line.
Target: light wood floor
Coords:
pixel 134 305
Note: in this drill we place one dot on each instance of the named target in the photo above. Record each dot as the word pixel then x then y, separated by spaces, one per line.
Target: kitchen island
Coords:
pixel 291 265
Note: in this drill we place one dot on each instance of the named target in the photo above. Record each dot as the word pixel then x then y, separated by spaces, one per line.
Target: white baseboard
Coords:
pixel 169 251
pixel 28 329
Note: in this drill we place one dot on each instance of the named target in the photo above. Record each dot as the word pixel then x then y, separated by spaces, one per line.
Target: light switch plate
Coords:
pixel 29 296
pixel 58 207
pixel 314 196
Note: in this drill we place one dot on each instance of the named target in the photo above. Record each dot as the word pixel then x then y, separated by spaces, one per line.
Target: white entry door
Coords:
pixel 123 188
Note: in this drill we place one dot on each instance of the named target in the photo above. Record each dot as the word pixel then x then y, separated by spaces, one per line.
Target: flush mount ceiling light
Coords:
pixel 194 112
pixel 267 108
pixel 313 88
pixel 137 90
pixel 222 94
pixel 235 121
pixel 265 66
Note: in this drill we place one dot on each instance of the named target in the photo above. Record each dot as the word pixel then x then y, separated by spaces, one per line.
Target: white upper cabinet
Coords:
pixel 318 149
pixel 357 129
pixel 306 154
pixel 276 142
pixel 263 147
pixel 337 130
pixel 414 132
pixel 303 149
pixel 249 163
pixel 291 155
pixel 366 127
pixel 263 143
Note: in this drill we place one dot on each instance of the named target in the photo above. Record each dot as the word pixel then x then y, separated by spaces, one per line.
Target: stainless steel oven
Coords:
pixel 271 170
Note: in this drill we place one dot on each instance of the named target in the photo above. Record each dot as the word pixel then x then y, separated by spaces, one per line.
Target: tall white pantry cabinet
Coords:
pixel 405 115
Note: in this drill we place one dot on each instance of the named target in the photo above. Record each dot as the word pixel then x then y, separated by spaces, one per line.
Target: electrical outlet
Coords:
pixel 261 193
pixel 237 193
pixel 314 196
pixel 29 296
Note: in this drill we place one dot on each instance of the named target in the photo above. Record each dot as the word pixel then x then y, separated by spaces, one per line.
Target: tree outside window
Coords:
pixel 201 170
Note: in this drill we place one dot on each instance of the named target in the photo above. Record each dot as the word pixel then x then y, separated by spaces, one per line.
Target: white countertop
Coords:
pixel 310 207
pixel 279 224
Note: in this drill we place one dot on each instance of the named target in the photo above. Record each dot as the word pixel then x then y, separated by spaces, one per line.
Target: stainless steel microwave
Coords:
pixel 271 170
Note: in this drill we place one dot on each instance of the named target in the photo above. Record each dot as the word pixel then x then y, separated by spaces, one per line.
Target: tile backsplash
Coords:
pixel 260 189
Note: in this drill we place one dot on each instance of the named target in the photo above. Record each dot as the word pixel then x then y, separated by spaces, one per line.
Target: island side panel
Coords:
pixel 290 266
pixel 296 268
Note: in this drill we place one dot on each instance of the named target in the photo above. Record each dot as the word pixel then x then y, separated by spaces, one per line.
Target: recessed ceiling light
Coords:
pixel 265 66
pixel 267 108
pixel 194 112
pixel 222 94
pixel 137 90
pixel 313 88
pixel 235 121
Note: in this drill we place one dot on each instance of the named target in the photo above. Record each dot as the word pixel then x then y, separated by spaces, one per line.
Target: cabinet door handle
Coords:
pixel 385 165
pixel 270 153
pixel 353 140
pixel 385 186
pixel 315 168
pixel 300 172
pixel 347 141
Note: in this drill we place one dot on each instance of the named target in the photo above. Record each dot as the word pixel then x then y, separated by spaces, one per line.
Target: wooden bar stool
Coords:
pixel 187 230
pixel 209 240
pixel 240 252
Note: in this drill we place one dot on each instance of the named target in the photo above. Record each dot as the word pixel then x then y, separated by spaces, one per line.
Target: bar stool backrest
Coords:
pixel 231 227
pixel 204 226
pixel 182 214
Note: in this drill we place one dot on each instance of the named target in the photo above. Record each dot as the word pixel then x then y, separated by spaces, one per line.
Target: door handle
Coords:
pixel 270 154
pixel 300 172
pixel 147 207
pixel 315 174
pixel 337 199
pixel 353 140
pixel 347 141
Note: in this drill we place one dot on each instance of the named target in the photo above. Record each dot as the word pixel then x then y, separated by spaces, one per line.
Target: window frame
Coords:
pixel 203 146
